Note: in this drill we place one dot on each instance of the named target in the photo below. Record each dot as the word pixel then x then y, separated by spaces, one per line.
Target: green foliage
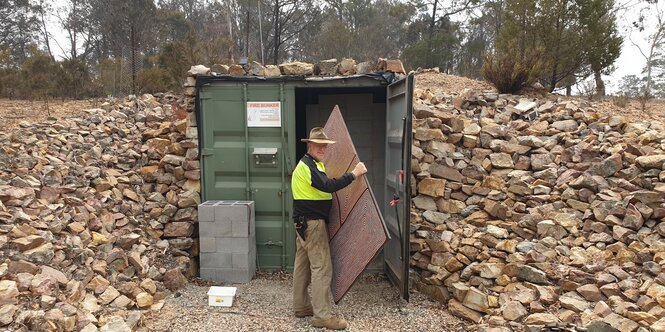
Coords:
pixel 510 73
pixel 109 77
pixel 333 41
pixel 39 73
pixel 556 42
pixel 560 37
pixel 18 28
pixel 437 52
pixel 73 78
pixel 631 86
pixel 174 58
pixel 601 39
pixel 519 28
pixel 600 35
pixel 153 80
pixel 362 29
pixel 577 38
pixel 548 25
pixel 9 75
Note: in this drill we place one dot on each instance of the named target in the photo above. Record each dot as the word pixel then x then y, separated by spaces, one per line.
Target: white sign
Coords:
pixel 264 114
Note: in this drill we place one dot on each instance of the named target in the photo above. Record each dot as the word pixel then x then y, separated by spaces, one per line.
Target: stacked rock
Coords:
pixel 530 212
pixel 96 216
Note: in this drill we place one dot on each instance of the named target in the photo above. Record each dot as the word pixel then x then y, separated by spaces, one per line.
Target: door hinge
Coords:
pixel 206 152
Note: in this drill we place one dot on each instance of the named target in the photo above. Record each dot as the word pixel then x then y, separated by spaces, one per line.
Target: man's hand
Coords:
pixel 359 170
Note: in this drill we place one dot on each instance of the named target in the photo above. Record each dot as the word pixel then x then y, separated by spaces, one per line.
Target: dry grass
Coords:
pixel 12 112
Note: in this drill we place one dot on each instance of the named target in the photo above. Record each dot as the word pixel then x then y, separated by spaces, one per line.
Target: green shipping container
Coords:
pixel 249 138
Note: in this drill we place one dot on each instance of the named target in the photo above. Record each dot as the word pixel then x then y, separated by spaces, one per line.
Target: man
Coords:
pixel 312 200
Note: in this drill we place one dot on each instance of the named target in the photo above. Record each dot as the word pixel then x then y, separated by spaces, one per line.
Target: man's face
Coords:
pixel 317 150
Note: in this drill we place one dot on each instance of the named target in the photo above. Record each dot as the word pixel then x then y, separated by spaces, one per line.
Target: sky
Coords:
pixel 631 62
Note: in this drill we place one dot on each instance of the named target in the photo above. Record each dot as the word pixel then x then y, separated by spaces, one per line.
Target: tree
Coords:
pixel 547 27
pixel 434 37
pixel 576 38
pixel 362 30
pixel 73 17
pixel 479 38
pixel 19 27
pixel 122 29
pixel 289 19
pixel 558 35
pixel 601 40
pixel 436 51
pixel 43 8
pixel 631 86
pixel 654 56
pixel 518 29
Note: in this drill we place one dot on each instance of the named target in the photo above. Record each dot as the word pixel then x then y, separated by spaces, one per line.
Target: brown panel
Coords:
pixel 356 229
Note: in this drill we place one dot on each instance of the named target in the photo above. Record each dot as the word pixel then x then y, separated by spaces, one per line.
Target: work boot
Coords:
pixel 331 323
pixel 304 313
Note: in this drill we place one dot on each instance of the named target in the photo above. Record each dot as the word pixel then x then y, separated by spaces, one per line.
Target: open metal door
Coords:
pixel 398 193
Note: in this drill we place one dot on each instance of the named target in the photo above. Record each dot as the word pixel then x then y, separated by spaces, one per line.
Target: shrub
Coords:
pixel 153 80
pixel 510 72
pixel 620 101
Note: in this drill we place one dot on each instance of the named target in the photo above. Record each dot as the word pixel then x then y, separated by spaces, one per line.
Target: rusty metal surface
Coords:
pixel 356 229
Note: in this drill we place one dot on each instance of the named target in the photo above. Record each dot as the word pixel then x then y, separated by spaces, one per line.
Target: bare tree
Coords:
pixel 45 6
pixel 289 19
pixel 74 18
pixel 653 55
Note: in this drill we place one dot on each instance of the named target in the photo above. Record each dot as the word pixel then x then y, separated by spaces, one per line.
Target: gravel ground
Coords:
pixel 264 304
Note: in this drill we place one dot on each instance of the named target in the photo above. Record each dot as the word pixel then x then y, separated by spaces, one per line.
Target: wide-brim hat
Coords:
pixel 316 135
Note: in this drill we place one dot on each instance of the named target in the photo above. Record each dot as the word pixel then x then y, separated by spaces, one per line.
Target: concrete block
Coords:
pixel 215 229
pixel 240 228
pixel 233 245
pixel 227 240
pixel 229 213
pixel 216 260
pixel 227 275
pixel 241 260
pixel 207 211
pixel 207 244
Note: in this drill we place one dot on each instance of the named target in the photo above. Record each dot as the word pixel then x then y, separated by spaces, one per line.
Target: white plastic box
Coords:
pixel 221 296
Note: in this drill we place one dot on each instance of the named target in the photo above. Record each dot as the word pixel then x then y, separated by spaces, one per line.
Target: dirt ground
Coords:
pixel 264 304
pixel 610 105
pixel 12 112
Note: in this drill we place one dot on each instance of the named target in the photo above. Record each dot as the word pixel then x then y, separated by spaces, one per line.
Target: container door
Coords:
pixel 245 155
pixel 398 170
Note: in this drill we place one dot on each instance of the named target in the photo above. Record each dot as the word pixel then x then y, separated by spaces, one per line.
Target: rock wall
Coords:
pixel 532 212
pixel 97 215
pixel 323 68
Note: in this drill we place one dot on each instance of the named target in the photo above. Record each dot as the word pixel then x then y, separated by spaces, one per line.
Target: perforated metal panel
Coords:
pixel 356 229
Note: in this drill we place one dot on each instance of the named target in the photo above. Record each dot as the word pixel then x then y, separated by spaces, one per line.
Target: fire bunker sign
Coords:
pixel 264 114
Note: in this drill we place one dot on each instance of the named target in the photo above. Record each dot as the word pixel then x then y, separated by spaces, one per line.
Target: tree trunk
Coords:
pixel 133 45
pixel 429 54
pixel 600 86
pixel 46 38
pixel 648 69
pixel 569 90
pixel 554 78
pixel 275 57
pixel 228 19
